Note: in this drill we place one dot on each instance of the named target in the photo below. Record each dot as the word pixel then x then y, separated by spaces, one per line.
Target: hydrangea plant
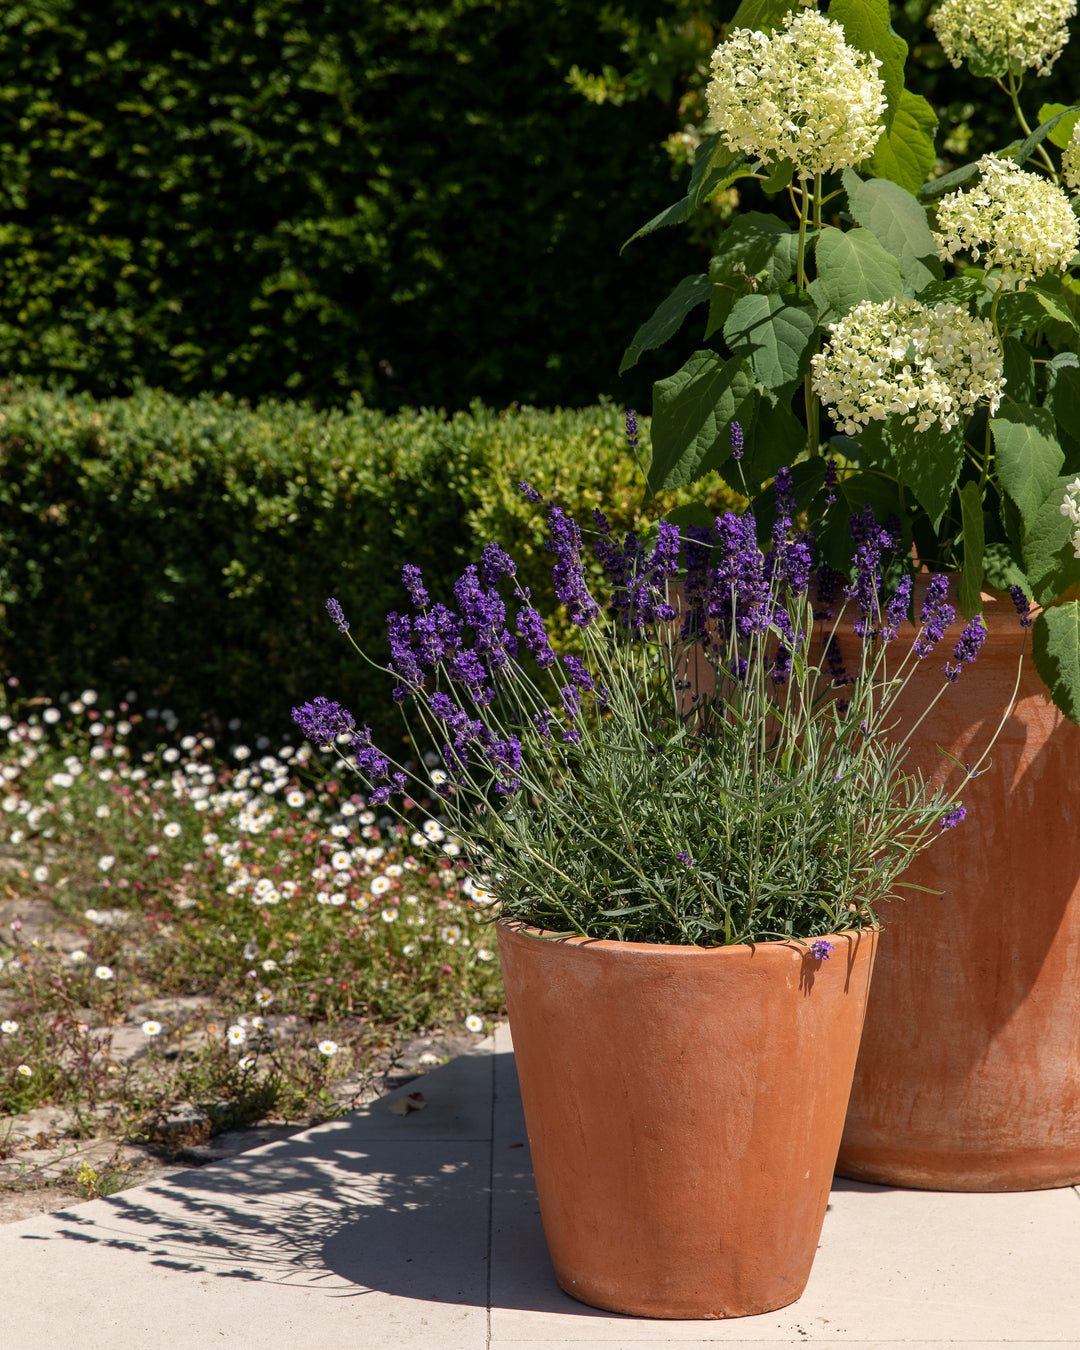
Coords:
pixel 916 336
pixel 713 768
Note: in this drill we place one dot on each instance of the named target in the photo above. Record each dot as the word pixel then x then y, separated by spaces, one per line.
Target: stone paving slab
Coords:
pixel 376 1231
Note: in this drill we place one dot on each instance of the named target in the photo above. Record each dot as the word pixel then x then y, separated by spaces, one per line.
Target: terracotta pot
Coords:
pixel 684 1107
pixel 969 1074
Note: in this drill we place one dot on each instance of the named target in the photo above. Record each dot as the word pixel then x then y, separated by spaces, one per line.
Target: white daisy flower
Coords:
pixel 389 915
pixel 483 954
pixel 269 964
pixel 328 1048
pixel 104 973
pixel 51 715
pixel 236 1035
pixel 26 1071
pixel 264 998
pixel 151 1028
pixel 246 1062
pixel 450 934
pixel 474 1023
pixel 41 873
pixel 410 949
pixel 78 956
pixel 9 1027
pixel 171 830
pixel 380 885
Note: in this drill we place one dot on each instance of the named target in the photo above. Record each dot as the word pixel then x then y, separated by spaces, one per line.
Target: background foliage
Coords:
pixel 419 203
pixel 185 548
pixel 278 196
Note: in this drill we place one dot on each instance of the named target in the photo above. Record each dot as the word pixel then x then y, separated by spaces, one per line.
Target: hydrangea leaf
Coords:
pixel 892 214
pixel 927 462
pixel 766 16
pixel 1055 642
pixel 852 265
pixel 1063 397
pixel 692 415
pixel 866 26
pixel 1027 455
pixel 777 334
pixel 1019 370
pixel 1031 308
pixel 667 318
pixel 754 248
pixel 1062 130
pixel 1048 551
pixel 853 492
pixel 1000 567
pixel 971 579
pixel 905 154
pixel 715 168
pixel 776 438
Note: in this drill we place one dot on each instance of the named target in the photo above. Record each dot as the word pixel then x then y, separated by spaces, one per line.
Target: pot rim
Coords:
pixel 800 945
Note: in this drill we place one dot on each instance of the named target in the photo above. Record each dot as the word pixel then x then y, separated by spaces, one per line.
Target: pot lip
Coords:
pixel 683 950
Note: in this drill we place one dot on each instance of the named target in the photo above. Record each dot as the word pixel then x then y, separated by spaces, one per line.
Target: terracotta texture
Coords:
pixel 684 1107
pixel 969 1074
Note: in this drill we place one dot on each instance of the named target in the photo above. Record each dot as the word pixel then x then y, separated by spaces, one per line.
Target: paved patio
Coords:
pixel 421 1232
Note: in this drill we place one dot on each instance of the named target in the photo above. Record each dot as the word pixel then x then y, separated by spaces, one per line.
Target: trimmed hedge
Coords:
pixel 306 198
pixel 185 549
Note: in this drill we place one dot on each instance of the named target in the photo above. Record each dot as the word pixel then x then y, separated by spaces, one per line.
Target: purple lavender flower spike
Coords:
pixel 821 950
pixel 567 574
pixel 494 563
pixel 413 579
pixel 631 429
pixel 935 616
pixel 1023 605
pixel 785 501
pixel 830 481
pixel 403 662
pixel 323 720
pixel 897 608
pixel 967 649
pixel 684 857
pixel 530 493
pixel 530 626
pixel 334 610
pixel 953 818
pixel 736 441
pixel 579 675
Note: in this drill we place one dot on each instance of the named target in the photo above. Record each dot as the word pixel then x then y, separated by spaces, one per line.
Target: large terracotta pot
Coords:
pixel 684 1107
pixel 969 1074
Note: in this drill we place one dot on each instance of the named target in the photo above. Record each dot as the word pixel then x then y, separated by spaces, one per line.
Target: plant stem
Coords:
pixel 1013 91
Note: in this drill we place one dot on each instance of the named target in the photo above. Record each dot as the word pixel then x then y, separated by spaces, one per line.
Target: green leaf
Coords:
pixel 692 415
pixel 693 513
pixel 1022 153
pixel 1048 549
pixel 780 175
pixel 852 265
pixel 764 15
pixel 1055 641
pixel 1019 371
pixel 866 26
pixel 905 153
pixel 1032 308
pixel 1000 567
pixel 948 182
pixel 721 169
pixel 667 318
pixel 754 247
pixel 928 463
pixel 1065 118
pixel 1063 394
pixel 971 512
pixel 777 334
pixel 1027 456
pixel 987 65
pixel 775 439
pixel 892 214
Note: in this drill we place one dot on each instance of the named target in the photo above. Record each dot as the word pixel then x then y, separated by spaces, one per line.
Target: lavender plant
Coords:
pixel 714 768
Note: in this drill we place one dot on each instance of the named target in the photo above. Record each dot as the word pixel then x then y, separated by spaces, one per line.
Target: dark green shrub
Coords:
pixel 185 549
pixel 306 198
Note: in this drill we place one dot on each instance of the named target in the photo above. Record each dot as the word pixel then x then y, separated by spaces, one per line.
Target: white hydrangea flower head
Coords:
pixel 1030 33
pixel 1071 507
pixel 900 356
pixel 1011 218
pixel 801 94
pixel 1070 160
